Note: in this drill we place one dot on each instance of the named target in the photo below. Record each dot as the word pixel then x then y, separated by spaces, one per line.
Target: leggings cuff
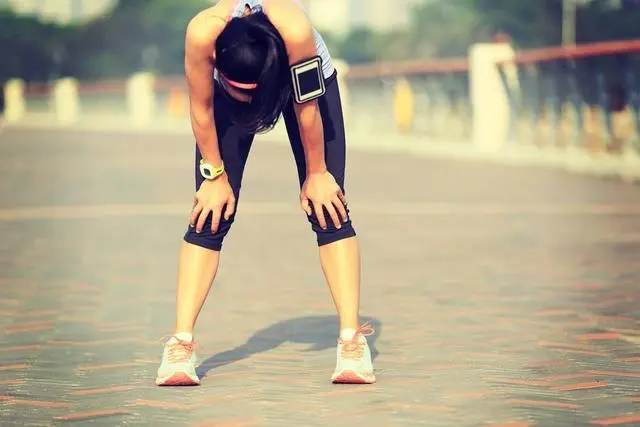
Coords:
pixel 202 241
pixel 335 235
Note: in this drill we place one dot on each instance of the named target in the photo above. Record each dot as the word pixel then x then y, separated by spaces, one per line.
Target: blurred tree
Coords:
pixel 394 45
pixel 530 24
pixel 539 23
pixel 137 34
pixel 604 20
pixel 359 46
pixel 149 34
pixel 445 28
pixel 29 49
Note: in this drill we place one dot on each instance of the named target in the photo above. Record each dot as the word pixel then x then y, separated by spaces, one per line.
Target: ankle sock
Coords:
pixel 182 336
pixel 347 334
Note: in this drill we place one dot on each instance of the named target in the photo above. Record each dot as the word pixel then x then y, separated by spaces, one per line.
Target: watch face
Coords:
pixel 210 172
pixel 205 170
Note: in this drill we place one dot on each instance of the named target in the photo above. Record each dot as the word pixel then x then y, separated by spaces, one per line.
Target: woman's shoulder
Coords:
pixel 288 16
pixel 204 27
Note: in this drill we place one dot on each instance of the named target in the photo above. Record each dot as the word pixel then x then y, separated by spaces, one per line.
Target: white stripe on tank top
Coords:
pixel 321 47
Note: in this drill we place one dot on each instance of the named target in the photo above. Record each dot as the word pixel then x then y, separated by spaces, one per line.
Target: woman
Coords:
pixel 247 62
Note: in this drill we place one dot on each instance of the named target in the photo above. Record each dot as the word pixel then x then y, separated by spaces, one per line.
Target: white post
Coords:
pixel 489 97
pixel 141 98
pixel 14 102
pixel 65 101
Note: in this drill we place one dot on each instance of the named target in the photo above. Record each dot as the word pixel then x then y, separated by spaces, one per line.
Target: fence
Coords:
pixel 585 96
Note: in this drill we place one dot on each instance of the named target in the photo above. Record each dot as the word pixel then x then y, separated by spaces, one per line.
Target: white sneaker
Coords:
pixel 354 364
pixel 178 367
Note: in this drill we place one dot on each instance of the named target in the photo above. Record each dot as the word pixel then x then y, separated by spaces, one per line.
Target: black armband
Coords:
pixel 307 80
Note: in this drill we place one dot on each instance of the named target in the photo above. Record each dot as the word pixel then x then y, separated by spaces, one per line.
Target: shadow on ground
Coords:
pixel 320 332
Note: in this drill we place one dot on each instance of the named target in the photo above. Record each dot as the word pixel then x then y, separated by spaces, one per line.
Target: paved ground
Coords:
pixel 500 296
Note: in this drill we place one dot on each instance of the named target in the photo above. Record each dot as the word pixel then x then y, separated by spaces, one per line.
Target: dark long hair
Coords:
pixel 251 50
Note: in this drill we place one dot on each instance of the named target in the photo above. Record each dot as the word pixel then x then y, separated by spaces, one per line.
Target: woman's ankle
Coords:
pixel 184 336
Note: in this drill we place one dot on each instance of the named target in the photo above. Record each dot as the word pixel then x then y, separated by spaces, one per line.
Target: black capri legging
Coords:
pixel 235 146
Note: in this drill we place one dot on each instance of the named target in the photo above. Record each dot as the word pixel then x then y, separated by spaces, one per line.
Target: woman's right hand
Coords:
pixel 211 198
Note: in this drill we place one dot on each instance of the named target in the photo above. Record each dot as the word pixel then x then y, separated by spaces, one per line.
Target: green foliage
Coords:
pixel 138 34
pixel 441 28
pixel 359 46
pixel 531 24
pixel 444 28
pixel 150 34
pixel 28 47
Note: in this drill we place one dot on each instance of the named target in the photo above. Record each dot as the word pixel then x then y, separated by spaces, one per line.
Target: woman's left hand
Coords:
pixel 321 190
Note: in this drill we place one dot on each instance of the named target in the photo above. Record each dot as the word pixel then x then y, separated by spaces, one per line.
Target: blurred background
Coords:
pixel 409 65
pixel 94 39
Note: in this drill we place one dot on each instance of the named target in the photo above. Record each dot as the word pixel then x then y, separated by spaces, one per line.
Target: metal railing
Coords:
pixel 585 96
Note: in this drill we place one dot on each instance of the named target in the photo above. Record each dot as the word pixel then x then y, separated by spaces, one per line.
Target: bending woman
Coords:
pixel 246 63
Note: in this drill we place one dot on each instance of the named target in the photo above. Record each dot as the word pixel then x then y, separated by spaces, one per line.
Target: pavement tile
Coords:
pixel 500 296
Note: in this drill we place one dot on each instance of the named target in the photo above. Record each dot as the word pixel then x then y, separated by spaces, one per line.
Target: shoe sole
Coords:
pixel 178 379
pixel 350 377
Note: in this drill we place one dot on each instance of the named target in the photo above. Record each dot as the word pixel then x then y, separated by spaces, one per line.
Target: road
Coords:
pixel 501 296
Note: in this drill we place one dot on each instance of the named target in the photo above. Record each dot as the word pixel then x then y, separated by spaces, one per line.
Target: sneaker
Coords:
pixel 354 364
pixel 178 366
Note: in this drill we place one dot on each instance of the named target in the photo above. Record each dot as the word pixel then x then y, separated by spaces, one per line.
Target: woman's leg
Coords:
pixel 339 248
pixel 200 252
pixel 199 257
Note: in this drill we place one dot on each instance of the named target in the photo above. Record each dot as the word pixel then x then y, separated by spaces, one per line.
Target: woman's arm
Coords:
pixel 202 32
pixel 295 28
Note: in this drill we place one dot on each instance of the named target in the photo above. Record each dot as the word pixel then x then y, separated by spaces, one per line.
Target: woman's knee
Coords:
pixel 331 233
pixel 207 238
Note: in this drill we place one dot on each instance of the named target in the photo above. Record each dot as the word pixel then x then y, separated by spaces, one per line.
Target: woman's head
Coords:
pixel 252 58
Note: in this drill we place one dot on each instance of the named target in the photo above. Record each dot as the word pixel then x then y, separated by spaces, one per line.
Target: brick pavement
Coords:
pixel 500 296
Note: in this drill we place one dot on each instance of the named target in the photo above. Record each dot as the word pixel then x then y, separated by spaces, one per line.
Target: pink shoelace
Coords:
pixel 180 351
pixel 353 348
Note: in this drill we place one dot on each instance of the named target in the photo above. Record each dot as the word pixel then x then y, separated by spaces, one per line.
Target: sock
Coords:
pixel 347 334
pixel 182 336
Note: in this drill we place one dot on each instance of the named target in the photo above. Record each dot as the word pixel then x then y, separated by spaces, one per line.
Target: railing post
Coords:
pixel 552 102
pixel 141 98
pixel 488 94
pixel 515 104
pixel 634 103
pixel 403 105
pixel 14 102
pixel 576 103
pixel 530 92
pixel 605 109
pixel 177 103
pixel 65 101
pixel 438 106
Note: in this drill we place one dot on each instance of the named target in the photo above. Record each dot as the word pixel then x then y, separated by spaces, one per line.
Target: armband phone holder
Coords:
pixel 307 80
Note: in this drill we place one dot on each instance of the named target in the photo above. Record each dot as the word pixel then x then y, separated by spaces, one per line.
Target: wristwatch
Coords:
pixel 209 171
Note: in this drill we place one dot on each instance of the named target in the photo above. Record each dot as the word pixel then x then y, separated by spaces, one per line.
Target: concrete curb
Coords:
pixel 625 167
